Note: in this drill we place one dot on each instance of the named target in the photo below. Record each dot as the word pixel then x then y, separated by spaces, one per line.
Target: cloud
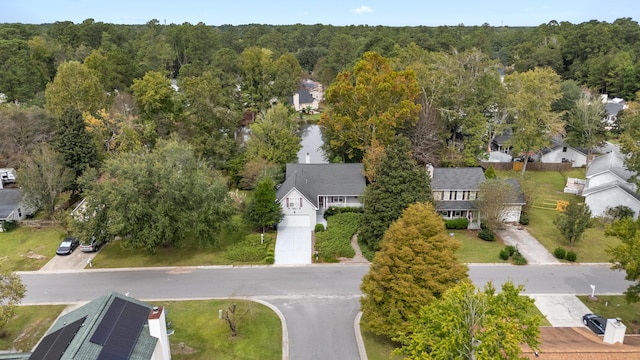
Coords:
pixel 363 9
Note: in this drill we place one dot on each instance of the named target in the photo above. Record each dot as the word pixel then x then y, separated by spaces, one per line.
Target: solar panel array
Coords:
pixel 55 344
pixel 119 329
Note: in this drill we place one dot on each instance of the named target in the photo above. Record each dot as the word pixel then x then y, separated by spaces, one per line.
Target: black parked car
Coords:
pixel 67 246
pixel 594 322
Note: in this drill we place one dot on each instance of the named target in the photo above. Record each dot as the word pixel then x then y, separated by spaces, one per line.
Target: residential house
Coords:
pixel 498 156
pixel 455 191
pixel 501 143
pixel 512 211
pixel 11 206
pixel 310 189
pixel 561 152
pixel 608 185
pixel 308 97
pixel 612 108
pixel 113 326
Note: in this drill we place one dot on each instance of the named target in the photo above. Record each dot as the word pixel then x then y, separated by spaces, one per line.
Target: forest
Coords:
pixel 93 91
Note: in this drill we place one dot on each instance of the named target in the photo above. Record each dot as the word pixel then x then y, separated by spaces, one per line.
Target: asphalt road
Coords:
pixel 319 302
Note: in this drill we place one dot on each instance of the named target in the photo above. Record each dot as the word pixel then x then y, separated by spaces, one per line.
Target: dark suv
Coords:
pixel 92 245
pixel 594 322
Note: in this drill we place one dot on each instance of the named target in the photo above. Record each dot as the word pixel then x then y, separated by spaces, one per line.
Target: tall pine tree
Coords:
pixel 75 144
pixel 263 211
pixel 399 182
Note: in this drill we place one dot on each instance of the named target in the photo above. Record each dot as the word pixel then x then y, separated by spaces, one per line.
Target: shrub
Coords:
pixel 334 210
pixel 559 253
pixel 571 256
pixel 335 242
pixel 490 173
pixel 458 224
pixel 487 235
pixel 9 225
pixel 518 259
pixel 524 219
pixel 504 254
pixel 250 249
pixel 318 228
pixel 511 249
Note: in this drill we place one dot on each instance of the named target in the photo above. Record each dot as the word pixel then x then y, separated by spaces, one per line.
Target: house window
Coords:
pixel 337 199
pixel 294 202
pixel 457 213
pixel 564 149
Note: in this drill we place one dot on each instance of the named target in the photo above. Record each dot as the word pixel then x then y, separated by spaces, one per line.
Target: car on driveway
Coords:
pixel 91 245
pixel 67 246
pixel 596 323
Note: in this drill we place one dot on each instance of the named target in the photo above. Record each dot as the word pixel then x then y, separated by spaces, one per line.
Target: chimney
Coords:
pixel 158 329
pixel 307 159
pixel 614 331
pixel 430 170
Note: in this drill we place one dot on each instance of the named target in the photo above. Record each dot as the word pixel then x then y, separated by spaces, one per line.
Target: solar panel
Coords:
pixel 55 344
pixel 119 329
pixel 108 321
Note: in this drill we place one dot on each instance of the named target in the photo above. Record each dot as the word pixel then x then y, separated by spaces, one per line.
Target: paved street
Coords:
pixel 319 302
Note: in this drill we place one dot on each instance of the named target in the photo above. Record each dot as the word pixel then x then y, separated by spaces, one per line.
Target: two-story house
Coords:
pixel 455 191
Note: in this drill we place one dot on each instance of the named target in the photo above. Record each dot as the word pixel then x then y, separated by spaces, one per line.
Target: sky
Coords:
pixel 328 12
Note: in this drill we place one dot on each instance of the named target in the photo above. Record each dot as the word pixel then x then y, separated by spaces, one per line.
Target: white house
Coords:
pixel 11 206
pixel 310 189
pixel 564 153
pixel 607 185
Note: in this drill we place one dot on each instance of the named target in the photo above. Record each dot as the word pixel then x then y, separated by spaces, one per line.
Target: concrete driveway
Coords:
pixel 293 245
pixel 528 246
pixel 76 261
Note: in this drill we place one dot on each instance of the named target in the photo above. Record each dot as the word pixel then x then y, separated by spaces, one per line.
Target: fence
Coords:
pixel 531 166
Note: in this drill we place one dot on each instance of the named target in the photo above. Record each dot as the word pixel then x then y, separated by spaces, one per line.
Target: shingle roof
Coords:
pixel 81 347
pixel 467 178
pixel 611 161
pixel 626 187
pixel 313 180
pixel 9 200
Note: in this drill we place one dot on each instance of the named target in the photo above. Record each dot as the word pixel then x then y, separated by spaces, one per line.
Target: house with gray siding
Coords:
pixel 455 191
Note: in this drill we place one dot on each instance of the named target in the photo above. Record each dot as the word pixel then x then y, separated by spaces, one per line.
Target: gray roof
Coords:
pixel 314 180
pixel 455 205
pixel 9 201
pixel 613 162
pixel 613 108
pixel 466 178
pixel 80 347
pixel 626 187
pixel 305 96
pixel 518 190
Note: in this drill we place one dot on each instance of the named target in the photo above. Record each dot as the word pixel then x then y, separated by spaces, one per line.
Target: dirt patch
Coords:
pixel 358 258
pixel 31 255
pixel 182 348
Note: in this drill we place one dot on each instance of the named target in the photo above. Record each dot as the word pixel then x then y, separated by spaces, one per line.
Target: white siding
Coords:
pixel 601 179
pixel 577 159
pixel 294 209
pixel 600 201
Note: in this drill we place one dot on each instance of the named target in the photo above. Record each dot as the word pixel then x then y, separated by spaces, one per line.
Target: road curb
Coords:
pixel 356 326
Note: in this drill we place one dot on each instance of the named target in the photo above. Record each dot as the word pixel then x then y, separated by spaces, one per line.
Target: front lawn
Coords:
pixel 615 306
pixel 199 334
pixel 545 189
pixel 28 325
pixel 27 249
pixel 476 250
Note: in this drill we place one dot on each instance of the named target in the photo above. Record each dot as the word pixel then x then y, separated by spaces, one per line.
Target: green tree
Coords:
pixel 274 136
pixel 398 183
pixel 11 293
pixel 263 211
pixel 416 265
pixel 75 87
pixel 155 98
pixel 43 177
pixel 373 102
pixel 626 256
pixel 494 199
pixel 75 144
pixel 573 222
pixel 22 76
pixel 156 198
pixel 530 96
pixel 470 324
pixel 585 127
pixel 23 128
pixel 629 134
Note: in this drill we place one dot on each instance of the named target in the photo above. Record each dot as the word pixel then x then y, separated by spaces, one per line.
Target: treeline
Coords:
pixel 603 56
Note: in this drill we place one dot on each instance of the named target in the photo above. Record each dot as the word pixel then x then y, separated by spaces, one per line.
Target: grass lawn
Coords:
pixel 476 250
pixel 204 336
pixel 29 325
pixel 612 306
pixel 546 187
pixel 26 249
pixel 190 253
pixel 379 347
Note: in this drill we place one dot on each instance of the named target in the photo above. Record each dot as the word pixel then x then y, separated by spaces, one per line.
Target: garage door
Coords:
pixel 296 220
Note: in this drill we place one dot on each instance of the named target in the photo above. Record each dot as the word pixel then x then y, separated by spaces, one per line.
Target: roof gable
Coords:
pixel 313 180
pixel 464 178
pixel 9 201
pixel 612 162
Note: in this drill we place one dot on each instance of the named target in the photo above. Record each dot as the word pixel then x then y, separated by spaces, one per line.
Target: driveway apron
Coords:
pixel 293 245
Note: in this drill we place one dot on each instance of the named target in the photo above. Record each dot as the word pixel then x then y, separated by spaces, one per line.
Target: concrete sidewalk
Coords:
pixel 561 310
